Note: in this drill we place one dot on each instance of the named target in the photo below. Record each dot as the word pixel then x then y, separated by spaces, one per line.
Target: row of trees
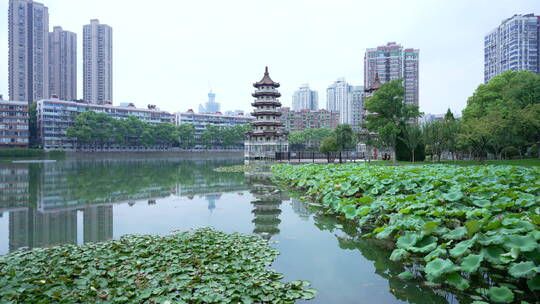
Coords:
pixel 99 129
pixel 502 118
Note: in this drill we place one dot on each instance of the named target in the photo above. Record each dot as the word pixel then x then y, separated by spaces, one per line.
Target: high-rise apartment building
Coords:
pixel 97 63
pixel 339 99
pixel 513 45
pixel 356 113
pixel 28 24
pixel 390 62
pixel 305 99
pixel 62 64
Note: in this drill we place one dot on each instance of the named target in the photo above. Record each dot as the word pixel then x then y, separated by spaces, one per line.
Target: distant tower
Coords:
pixel 63 64
pixel 267 136
pixel 28 24
pixel 97 63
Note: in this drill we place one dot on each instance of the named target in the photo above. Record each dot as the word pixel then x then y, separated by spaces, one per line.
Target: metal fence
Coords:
pixel 314 156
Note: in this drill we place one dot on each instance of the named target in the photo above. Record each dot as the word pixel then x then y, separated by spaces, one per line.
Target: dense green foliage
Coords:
pixel 462 223
pixel 389 114
pixel 308 138
pixel 99 129
pixel 329 144
pixel 199 266
pixel 505 112
pixel 32 126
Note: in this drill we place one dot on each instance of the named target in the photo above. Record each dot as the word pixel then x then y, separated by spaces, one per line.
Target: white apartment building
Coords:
pixel 28 27
pixel 62 64
pixel 338 100
pixel 55 116
pixel 305 99
pixel 513 45
pixel 97 63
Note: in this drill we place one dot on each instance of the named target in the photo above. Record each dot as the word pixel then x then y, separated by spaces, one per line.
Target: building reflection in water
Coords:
pixel 266 206
pixel 299 208
pixel 42 200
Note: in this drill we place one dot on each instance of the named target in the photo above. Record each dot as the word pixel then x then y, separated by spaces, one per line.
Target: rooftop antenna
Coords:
pixel 210 86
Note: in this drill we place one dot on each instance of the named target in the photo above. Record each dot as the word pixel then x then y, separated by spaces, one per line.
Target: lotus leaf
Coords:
pixel 501 294
pixel 456 234
pixel 438 267
pixel 427 244
pixel 406 275
pixel 399 254
pixel 523 270
pixel 453 196
pixel 461 248
pixel 523 242
pixel 435 254
pixel 471 262
pixel 408 240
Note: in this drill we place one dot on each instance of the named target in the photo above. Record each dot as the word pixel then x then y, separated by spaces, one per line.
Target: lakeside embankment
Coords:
pixel 474 229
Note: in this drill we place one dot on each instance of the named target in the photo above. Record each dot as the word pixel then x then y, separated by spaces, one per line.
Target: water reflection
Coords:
pixel 80 201
pixel 47 201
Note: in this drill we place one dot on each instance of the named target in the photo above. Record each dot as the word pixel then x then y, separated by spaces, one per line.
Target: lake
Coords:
pixel 80 200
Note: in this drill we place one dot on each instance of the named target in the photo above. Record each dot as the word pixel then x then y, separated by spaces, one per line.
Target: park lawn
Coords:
pixel 527 162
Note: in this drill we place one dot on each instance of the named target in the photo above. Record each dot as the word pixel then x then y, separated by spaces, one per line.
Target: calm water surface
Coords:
pixel 77 201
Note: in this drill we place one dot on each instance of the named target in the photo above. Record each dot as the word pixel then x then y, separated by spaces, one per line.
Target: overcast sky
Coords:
pixel 171 52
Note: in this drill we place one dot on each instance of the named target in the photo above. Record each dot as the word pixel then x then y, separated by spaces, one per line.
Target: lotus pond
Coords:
pixel 96 203
pixel 474 230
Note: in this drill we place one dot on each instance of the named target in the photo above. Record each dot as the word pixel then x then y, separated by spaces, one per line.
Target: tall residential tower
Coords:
pixel 305 99
pixel 28 24
pixel 97 63
pixel 63 64
pixel 513 45
pixel 390 62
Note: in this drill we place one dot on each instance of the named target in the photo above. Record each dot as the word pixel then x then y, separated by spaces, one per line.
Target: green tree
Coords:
pixel 412 137
pixel 328 145
pixel 344 136
pixel 186 135
pixel 496 114
pixel 32 125
pixel 388 114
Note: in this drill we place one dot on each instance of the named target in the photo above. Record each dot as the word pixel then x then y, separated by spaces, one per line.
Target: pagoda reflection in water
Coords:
pixel 266 206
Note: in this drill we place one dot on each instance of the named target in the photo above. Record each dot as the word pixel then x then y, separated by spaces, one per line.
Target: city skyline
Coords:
pixel 456 58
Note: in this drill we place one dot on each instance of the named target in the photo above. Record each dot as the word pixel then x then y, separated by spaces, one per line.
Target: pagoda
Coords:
pixel 267 136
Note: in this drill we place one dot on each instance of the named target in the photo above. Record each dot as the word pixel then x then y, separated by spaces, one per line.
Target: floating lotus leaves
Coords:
pixel 427 244
pixel 406 275
pixel 408 240
pixel 523 270
pixel 501 294
pixel 433 212
pixel 523 242
pixel 399 254
pixel 438 267
pixel 461 248
pixel 471 262
pixel 453 196
pixel 198 266
pixel 456 234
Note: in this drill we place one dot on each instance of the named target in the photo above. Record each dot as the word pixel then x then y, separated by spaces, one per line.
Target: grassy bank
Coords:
pixel 14 153
pixel 199 266
pixel 528 162
pixel 452 225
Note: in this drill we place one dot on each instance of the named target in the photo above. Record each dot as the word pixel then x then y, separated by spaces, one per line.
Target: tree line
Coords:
pixel 502 118
pixel 99 129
